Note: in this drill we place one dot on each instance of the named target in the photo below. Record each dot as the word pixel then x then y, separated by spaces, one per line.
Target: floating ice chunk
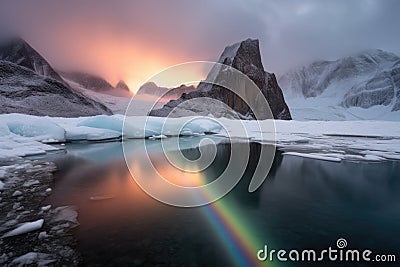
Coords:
pixel 32 258
pixel 19 134
pixel 28 258
pixel 383 154
pixel 48 190
pixel 18 146
pixel 25 228
pixel 155 137
pixel 145 127
pixel 46 208
pixel 313 156
pixel 373 158
pixel 43 235
pixel 105 197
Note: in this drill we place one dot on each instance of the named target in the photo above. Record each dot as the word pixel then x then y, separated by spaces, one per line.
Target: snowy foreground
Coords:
pixel 24 135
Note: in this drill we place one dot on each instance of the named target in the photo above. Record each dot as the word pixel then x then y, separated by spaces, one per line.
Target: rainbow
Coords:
pixel 237 236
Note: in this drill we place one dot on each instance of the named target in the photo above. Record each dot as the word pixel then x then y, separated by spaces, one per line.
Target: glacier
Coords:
pixel 26 135
pixel 364 86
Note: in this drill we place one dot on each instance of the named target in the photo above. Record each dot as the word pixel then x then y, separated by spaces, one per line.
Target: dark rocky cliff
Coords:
pixel 245 57
pixel 21 53
pixel 24 91
pixel 29 84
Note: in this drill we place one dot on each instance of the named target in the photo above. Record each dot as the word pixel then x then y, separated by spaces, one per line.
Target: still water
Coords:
pixel 303 204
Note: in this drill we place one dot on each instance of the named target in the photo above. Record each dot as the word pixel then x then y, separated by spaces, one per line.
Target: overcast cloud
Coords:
pixel 291 33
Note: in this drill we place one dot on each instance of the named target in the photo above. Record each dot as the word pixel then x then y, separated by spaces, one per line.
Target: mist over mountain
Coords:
pixel 24 91
pixel 29 84
pixel 153 89
pixel 122 85
pixel 88 81
pixel 362 86
pixel 18 51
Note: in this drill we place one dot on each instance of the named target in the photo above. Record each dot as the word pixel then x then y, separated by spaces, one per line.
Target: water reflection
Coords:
pixel 303 203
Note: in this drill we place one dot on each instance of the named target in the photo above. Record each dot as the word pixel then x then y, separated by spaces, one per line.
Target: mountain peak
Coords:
pixel 18 51
pixel 378 55
pixel 247 50
pixel 376 51
pixel 245 57
pixel 25 91
pixel 366 79
pixel 122 85
pixel 88 81
pixel 150 88
pixel 147 88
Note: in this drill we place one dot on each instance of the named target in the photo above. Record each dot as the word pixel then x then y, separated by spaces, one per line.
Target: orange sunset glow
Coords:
pixel 91 44
pixel 199 133
pixel 114 60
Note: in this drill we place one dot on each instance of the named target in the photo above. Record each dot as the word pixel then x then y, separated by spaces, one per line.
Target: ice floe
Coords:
pixel 25 228
pixel 24 135
pixel 314 156
pixel 46 208
pixel 33 258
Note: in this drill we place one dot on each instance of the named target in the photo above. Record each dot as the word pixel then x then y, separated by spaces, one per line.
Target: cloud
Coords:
pixel 302 31
pixel 133 39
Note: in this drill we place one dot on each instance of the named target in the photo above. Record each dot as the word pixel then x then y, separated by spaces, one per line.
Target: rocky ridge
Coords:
pixel 245 57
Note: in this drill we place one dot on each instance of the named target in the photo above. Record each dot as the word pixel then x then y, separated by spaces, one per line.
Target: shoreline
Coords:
pixel 45 238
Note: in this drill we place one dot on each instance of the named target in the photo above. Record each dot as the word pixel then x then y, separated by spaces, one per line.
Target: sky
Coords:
pixel 134 40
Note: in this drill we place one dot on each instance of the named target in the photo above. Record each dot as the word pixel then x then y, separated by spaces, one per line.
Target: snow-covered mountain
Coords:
pixel 24 91
pixel 88 81
pixel 244 56
pixel 21 53
pixel 116 100
pixel 29 84
pixel 89 84
pixel 153 89
pixel 122 85
pixel 362 86
pixel 94 82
